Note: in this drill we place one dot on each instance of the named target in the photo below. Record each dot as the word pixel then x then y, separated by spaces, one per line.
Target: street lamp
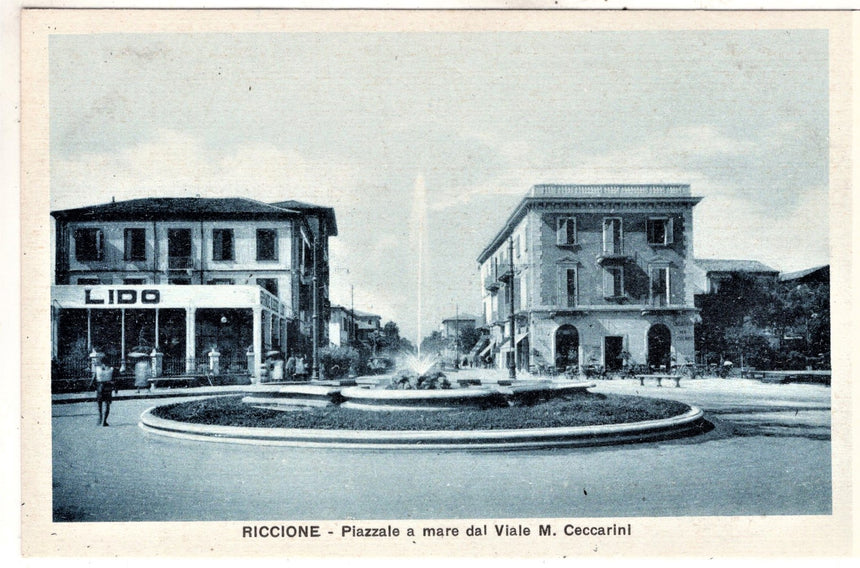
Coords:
pixel 222 323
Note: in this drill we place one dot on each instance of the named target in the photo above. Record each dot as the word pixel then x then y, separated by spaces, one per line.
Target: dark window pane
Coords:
pixel 571 287
pixel 222 244
pixel 135 244
pixel 267 244
pixel 268 284
pixel 89 244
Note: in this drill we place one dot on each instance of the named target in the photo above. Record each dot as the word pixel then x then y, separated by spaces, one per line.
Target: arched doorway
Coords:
pixel 659 346
pixel 566 347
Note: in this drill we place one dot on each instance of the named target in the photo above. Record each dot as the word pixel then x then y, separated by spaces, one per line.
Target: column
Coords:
pixel 258 343
pixel 190 339
pixel 122 341
pixel 89 330
pixel 55 328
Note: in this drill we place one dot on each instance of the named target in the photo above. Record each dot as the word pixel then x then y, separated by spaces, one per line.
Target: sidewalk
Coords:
pixel 171 392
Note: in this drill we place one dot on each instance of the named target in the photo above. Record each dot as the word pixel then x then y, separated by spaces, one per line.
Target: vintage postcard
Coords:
pixel 454 283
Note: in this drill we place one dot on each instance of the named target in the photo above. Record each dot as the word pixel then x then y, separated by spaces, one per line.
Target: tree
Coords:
pixel 469 336
pixel 752 317
pixel 433 343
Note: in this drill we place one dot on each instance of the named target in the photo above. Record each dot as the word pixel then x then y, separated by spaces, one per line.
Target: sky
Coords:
pixel 430 139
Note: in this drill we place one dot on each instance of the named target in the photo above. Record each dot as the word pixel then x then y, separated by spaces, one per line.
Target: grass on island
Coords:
pixel 582 409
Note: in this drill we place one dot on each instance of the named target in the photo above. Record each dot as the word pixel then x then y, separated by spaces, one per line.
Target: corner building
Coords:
pixel 184 277
pixel 601 275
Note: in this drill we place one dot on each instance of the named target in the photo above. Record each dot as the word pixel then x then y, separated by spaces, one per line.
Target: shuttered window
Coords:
pixel 660 231
pixel 565 233
pixel 89 244
pixel 222 244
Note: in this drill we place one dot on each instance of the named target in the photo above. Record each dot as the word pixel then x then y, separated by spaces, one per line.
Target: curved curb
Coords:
pixel 687 424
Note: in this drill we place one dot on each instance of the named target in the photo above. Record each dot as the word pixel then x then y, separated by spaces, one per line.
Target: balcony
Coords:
pixel 613 257
pixel 491 283
pixel 505 273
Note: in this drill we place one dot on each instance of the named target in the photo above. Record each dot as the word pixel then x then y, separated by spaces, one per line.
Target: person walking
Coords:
pixel 301 369
pixel 290 368
pixel 105 387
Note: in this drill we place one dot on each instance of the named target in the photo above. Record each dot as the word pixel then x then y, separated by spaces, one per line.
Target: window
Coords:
pixel 269 285
pixel 613 238
pixel 267 244
pixel 89 244
pixel 88 281
pixel 659 285
pixel 179 248
pixel 220 282
pixel 565 231
pixel 135 244
pixel 659 231
pixel 613 282
pixel 517 246
pixel 567 287
pixel 134 280
pixel 222 244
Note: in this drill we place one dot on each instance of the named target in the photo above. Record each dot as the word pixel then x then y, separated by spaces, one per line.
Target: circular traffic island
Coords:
pixel 580 419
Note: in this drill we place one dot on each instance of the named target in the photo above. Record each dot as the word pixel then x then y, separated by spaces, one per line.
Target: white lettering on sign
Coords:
pixel 123 297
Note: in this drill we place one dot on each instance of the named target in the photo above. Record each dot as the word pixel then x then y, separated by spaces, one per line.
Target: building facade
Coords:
pixel 186 277
pixel 597 275
pixel 349 326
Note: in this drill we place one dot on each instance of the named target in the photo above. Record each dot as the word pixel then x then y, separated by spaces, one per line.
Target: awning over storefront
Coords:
pixel 479 347
pixel 486 349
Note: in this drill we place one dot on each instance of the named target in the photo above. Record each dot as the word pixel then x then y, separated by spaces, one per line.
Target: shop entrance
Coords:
pixel 659 347
pixel 566 347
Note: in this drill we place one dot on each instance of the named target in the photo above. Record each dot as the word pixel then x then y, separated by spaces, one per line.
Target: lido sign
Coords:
pixel 123 297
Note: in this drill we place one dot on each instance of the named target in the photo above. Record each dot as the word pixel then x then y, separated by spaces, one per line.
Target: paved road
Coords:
pixel 768 455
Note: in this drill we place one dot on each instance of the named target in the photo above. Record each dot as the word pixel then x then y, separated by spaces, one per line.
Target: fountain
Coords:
pixel 418 385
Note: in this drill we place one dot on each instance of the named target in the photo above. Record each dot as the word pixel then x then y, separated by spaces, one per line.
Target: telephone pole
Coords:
pixel 456 336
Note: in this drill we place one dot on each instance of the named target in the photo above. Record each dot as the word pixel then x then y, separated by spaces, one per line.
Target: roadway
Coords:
pixel 769 454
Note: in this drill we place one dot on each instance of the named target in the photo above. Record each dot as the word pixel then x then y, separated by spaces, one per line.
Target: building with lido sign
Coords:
pixel 181 278
pixel 596 275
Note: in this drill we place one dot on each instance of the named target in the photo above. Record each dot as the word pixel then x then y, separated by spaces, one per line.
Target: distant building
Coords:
pixel 453 331
pixel 341 328
pixel 457 324
pixel 600 274
pixel 709 273
pixel 815 275
pixel 188 276
pixel 347 327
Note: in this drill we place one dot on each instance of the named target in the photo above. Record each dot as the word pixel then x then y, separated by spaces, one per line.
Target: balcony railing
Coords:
pixel 505 273
pixel 491 283
pixel 613 257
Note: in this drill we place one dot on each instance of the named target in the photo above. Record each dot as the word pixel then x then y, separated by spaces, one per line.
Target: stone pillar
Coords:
pixel 157 363
pixel 252 369
pixel 215 362
pixel 190 339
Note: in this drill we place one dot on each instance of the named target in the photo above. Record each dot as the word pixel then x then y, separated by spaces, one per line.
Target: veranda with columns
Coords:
pixel 183 324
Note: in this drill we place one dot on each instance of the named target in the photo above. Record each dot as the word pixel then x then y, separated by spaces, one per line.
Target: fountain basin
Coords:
pixel 442 399
pixel 295 397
